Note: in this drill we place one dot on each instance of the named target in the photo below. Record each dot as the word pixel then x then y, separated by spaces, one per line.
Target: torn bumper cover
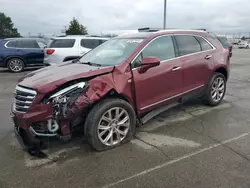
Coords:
pixel 23 124
pixel 49 117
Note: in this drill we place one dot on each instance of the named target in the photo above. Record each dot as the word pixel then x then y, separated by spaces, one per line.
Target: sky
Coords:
pixel 51 16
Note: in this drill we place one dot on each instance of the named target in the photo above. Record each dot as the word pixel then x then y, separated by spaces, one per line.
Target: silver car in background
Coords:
pixel 244 44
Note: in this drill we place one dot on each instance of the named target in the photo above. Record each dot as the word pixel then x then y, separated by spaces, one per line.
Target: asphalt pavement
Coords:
pixel 190 146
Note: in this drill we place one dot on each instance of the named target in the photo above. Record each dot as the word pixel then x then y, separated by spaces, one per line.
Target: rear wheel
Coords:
pixel 110 123
pixel 15 65
pixel 216 90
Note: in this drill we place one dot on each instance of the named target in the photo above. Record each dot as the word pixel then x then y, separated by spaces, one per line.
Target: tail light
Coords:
pixel 226 51
pixel 49 51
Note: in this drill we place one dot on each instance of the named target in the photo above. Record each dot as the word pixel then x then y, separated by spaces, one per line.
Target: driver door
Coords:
pixel 159 85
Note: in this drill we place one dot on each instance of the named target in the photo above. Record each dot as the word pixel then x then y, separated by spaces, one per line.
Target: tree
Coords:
pixel 7 29
pixel 75 28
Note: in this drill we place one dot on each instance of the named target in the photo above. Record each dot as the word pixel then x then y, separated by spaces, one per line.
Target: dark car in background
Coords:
pixel 17 54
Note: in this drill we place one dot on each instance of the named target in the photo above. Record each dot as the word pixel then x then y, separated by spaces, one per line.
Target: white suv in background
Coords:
pixel 67 48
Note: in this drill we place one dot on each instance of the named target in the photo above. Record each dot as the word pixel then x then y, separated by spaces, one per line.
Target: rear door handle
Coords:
pixel 176 68
pixel 208 56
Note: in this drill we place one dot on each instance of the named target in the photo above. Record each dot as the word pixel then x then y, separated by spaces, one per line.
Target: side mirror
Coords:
pixel 149 62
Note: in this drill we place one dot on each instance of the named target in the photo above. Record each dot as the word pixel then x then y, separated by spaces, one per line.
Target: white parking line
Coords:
pixel 176 160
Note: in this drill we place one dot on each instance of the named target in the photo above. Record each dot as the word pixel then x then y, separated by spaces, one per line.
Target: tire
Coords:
pixel 247 47
pixel 213 89
pixel 15 65
pixel 95 122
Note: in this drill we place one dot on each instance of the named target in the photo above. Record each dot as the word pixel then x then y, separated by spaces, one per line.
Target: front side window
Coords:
pixel 204 44
pixel 187 44
pixel 113 52
pixel 161 47
pixel 29 44
pixel 62 43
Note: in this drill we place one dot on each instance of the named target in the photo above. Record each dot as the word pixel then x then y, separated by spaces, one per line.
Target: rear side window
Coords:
pixel 11 44
pixel 91 43
pixel 204 44
pixel 187 44
pixel 27 44
pixel 62 43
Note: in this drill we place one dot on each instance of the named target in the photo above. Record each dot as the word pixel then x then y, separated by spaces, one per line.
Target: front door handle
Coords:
pixel 176 68
pixel 208 57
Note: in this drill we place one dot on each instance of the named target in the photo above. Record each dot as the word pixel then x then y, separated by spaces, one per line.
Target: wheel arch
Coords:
pixel 10 57
pixel 223 71
pixel 114 94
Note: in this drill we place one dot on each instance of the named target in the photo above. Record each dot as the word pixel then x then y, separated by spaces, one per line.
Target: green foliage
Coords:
pixel 75 28
pixel 7 29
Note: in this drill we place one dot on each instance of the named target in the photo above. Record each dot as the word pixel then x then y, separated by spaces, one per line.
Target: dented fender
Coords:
pixel 101 86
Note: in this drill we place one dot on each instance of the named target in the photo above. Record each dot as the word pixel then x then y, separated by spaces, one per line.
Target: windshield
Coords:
pixel 112 52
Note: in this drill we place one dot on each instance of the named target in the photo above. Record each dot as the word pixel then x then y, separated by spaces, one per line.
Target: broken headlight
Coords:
pixel 63 95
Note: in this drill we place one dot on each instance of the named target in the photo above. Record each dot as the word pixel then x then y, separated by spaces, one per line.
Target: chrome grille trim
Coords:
pixel 23 99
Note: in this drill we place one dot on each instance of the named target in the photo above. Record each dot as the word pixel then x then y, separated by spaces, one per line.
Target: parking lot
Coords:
pixel 190 146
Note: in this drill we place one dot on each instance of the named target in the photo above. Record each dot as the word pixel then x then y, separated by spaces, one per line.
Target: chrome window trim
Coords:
pixel 164 61
pixel 164 100
pixel 20 48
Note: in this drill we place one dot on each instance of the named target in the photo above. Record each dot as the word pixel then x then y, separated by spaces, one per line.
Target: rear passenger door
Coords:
pixel 30 51
pixel 196 55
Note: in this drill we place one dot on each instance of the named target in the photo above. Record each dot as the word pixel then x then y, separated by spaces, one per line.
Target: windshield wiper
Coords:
pixel 91 64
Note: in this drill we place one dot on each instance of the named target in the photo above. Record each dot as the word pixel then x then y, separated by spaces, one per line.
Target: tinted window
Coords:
pixel 204 44
pixel 11 44
pixel 91 43
pixel 187 44
pixel 224 42
pixel 62 43
pixel 161 47
pixel 29 44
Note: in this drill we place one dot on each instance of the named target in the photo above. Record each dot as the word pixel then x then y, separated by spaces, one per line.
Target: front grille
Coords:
pixel 23 99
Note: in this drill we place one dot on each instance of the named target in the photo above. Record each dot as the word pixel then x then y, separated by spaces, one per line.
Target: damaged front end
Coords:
pixel 37 116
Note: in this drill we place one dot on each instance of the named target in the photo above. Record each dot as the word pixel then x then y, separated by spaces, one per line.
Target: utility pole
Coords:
pixel 165 14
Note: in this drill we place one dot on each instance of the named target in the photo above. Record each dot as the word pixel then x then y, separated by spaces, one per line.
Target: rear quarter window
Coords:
pixel 224 42
pixel 91 43
pixel 204 44
pixel 11 44
pixel 62 43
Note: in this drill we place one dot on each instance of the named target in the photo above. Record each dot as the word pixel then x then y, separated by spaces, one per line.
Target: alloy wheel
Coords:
pixel 113 126
pixel 218 88
pixel 16 65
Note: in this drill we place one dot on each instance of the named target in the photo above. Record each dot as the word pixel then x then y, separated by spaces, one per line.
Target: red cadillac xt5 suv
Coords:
pixel 122 83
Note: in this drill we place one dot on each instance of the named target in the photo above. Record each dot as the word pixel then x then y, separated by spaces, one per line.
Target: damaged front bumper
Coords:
pixel 23 127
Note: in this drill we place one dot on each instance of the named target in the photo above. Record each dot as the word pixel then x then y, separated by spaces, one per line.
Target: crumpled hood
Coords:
pixel 49 78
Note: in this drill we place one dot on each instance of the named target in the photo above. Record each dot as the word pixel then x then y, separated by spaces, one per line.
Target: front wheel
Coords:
pixel 109 124
pixel 15 65
pixel 216 89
